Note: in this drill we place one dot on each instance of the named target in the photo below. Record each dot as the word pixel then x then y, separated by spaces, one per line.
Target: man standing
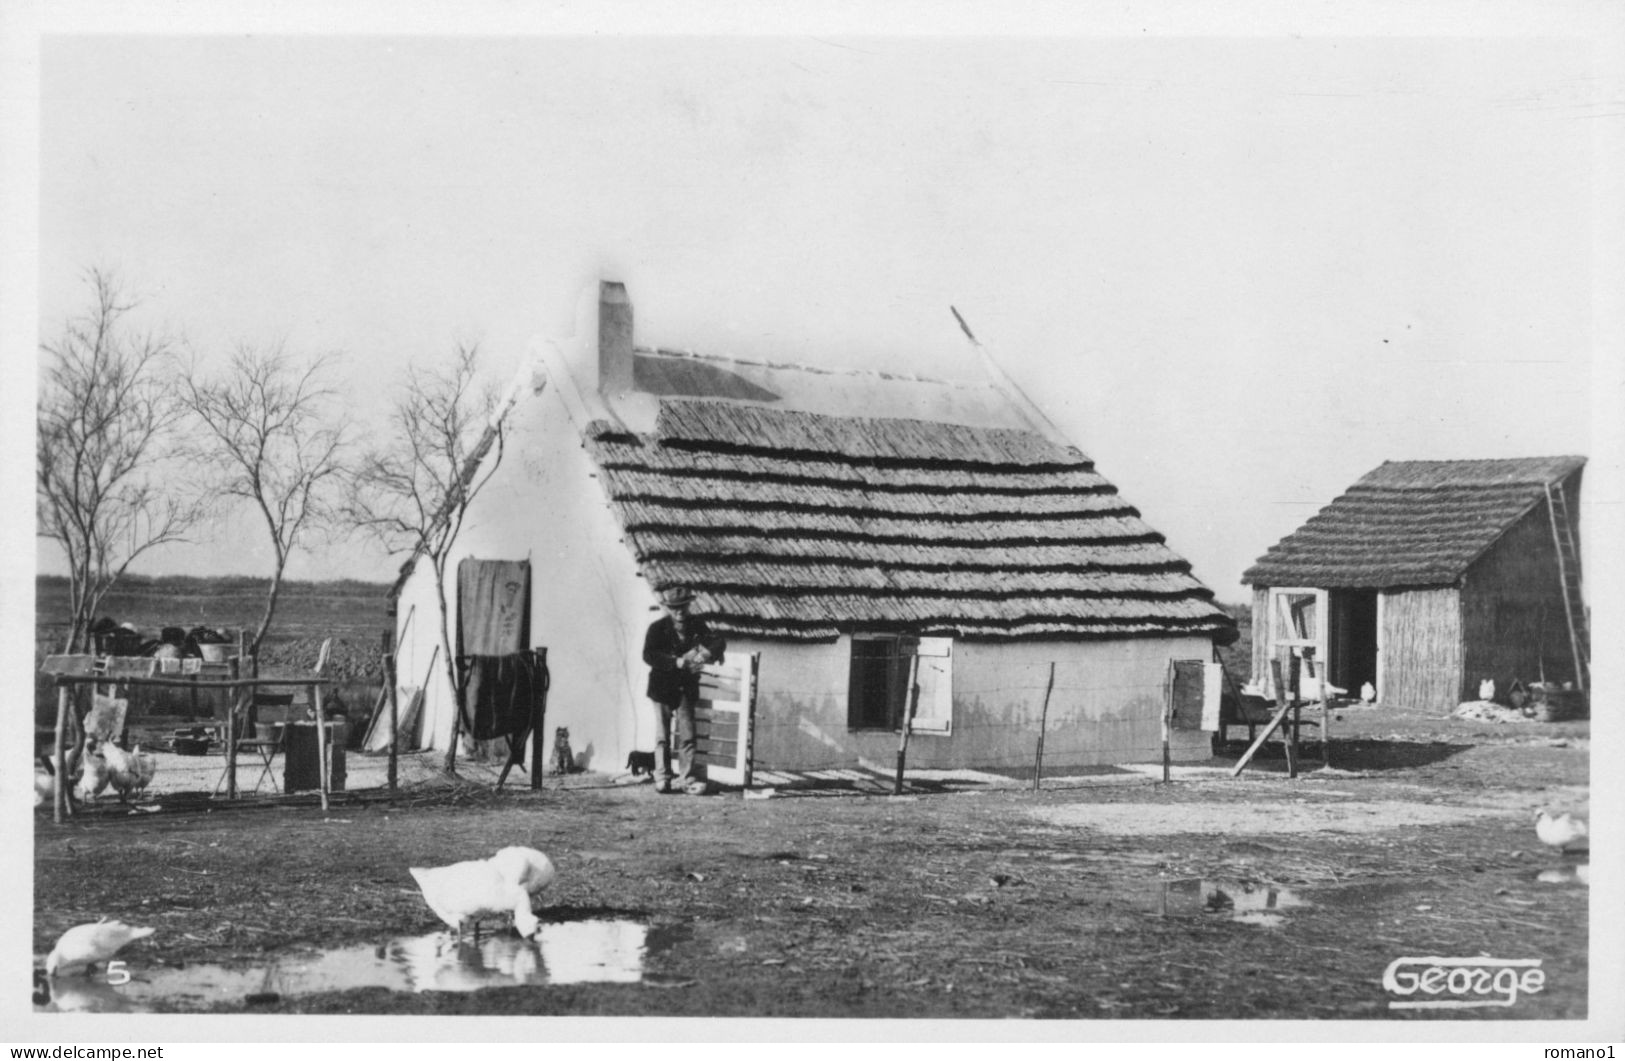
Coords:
pixel 676 646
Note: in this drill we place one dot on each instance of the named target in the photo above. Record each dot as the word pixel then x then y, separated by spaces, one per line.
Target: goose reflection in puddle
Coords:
pixel 570 952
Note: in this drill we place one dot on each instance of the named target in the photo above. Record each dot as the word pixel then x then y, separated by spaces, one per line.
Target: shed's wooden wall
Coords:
pixel 1261 634
pixel 1422 648
pixel 1512 609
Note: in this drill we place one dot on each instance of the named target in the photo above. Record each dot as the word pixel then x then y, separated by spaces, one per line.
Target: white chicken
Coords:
pixel 1368 693
pixel 1486 689
pixel 466 891
pixel 45 779
pixel 88 944
pixel 126 771
pixel 1566 832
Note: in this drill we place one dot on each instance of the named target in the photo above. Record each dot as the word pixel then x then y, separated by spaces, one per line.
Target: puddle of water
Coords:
pixel 1579 873
pixel 570 952
pixel 1248 902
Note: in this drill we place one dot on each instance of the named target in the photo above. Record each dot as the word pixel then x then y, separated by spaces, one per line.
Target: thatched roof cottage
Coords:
pixel 833 523
pixel 1428 577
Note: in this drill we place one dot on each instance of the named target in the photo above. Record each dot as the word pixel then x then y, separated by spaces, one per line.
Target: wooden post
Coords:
pixel 1043 724
pixel 1325 713
pixel 540 716
pixel 908 719
pixel 321 743
pixel 1286 698
pixel 239 702
pixel 1325 728
pixel 394 713
pixel 1167 710
pixel 59 798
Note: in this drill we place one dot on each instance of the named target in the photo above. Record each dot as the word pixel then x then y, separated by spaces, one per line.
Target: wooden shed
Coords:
pixel 1428 577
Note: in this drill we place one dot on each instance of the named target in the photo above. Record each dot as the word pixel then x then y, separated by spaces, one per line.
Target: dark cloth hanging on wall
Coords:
pixel 498 675
pixel 503 694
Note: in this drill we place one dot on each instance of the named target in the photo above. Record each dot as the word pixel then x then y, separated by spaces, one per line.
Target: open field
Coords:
pixel 1105 895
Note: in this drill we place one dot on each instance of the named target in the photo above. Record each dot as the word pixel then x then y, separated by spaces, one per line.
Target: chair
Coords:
pixel 262 708
pixel 268 708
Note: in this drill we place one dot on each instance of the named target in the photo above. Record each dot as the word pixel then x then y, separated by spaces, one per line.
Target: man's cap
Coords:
pixel 676 597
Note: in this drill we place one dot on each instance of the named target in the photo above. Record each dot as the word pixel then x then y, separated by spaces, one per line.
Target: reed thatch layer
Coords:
pixel 720 573
pixel 1428 475
pixel 1413 523
pixel 741 626
pixel 714 425
pixel 787 551
pixel 619 453
pixel 965 503
pixel 861 526
pixel 794 525
pixel 918 610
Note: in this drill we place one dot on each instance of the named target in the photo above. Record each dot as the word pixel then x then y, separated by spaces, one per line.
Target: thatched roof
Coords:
pixel 1413 523
pixel 795 525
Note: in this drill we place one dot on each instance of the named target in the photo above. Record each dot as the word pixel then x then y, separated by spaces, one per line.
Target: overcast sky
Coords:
pixel 1238 271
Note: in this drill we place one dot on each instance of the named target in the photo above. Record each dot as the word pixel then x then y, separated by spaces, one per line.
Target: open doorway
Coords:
pixel 1353 630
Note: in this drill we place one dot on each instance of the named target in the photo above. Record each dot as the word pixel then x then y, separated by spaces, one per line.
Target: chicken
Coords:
pixel 129 771
pixel 466 891
pixel 44 789
pixel 88 944
pixel 1565 832
pixel 1486 689
pixel 1368 693
pixel 45 780
pixel 93 776
pixel 126 771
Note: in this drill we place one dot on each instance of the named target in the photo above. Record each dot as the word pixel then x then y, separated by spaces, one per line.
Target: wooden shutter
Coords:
pixel 935 674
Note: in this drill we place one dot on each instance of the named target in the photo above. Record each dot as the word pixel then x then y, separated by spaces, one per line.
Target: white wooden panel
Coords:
pixel 935 674
pixel 1212 690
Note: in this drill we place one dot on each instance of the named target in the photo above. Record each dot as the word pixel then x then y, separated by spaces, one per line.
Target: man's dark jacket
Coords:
pixel 662 647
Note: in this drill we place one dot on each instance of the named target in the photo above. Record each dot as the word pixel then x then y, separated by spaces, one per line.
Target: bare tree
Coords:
pixel 269 429
pixel 444 442
pixel 105 416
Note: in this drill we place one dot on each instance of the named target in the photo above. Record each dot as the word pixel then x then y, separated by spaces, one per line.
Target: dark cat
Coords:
pixel 641 763
pixel 564 761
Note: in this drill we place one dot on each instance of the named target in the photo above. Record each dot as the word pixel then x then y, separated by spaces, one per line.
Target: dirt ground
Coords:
pixel 970 896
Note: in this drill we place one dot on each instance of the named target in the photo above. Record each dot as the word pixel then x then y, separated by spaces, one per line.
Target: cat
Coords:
pixel 564 761
pixel 641 764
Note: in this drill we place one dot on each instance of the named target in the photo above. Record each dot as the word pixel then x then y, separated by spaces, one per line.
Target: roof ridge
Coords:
pixel 816 370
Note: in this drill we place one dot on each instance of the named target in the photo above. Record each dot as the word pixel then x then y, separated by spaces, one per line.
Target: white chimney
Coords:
pixel 614 340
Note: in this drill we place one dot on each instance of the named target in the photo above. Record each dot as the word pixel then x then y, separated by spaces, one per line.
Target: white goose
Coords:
pixel 503 883
pixel 1563 831
pixel 88 944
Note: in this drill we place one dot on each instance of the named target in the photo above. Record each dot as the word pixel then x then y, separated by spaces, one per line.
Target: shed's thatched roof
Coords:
pixel 1412 523
pixel 796 525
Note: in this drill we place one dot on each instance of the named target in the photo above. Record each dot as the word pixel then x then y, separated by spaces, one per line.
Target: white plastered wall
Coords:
pixel 589 608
